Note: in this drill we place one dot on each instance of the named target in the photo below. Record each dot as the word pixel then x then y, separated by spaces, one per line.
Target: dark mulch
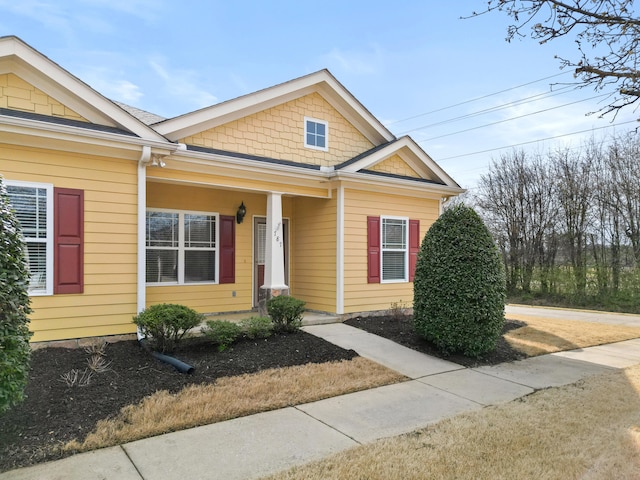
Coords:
pixel 55 413
pixel 400 330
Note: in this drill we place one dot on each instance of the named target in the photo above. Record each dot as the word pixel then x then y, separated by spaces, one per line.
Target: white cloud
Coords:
pixel 113 86
pixel 354 61
pixel 182 84
pixel 148 10
pixel 49 14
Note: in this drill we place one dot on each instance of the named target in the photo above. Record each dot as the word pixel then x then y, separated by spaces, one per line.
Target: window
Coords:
pixel 393 244
pixel 394 249
pixel 181 247
pixel 315 133
pixel 33 205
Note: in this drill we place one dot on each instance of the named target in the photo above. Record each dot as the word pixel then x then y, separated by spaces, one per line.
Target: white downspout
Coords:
pixel 145 158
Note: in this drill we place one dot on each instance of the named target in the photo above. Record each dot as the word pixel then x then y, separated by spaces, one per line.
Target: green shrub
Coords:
pixel 222 332
pixel 14 308
pixel 459 285
pixel 257 327
pixel 286 313
pixel 166 324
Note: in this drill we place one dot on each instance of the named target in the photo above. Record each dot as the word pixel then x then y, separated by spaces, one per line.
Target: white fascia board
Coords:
pixel 33 67
pixel 53 131
pixel 397 185
pixel 321 82
pixel 422 163
pixel 214 159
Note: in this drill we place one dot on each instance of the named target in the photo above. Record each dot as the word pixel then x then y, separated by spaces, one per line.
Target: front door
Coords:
pixel 259 252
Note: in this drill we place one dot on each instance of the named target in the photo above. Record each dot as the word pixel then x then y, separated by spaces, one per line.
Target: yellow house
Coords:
pixel 293 189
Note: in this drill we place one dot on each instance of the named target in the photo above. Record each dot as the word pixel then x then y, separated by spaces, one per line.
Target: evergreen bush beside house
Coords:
pixel 166 324
pixel 459 285
pixel 286 313
pixel 14 307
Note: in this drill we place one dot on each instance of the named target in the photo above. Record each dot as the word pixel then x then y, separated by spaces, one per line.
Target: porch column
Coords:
pixel 274 284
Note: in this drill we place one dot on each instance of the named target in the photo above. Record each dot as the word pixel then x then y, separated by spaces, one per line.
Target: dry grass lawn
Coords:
pixel 587 431
pixel 232 397
pixel 548 335
pixel 501 434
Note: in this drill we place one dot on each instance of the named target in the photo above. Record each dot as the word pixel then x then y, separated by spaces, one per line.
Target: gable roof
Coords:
pixel 33 67
pixel 409 151
pixel 321 82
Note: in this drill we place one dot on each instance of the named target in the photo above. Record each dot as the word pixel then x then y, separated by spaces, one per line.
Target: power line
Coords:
pixel 514 118
pixel 535 98
pixel 476 99
pixel 535 141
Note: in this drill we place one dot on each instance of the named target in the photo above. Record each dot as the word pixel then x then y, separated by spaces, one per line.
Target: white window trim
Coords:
pixel 182 248
pixel 326 136
pixel 48 291
pixel 406 249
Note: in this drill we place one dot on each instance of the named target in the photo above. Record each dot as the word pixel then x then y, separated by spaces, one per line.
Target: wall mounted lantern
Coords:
pixel 242 211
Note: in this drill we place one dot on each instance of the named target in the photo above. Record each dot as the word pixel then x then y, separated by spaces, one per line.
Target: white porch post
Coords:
pixel 274 284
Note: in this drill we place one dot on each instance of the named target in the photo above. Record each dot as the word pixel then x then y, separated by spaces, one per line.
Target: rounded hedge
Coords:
pixel 14 308
pixel 459 285
pixel 166 324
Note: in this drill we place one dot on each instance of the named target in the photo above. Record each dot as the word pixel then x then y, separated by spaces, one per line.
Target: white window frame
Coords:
pixel 405 250
pixel 326 133
pixel 48 290
pixel 182 249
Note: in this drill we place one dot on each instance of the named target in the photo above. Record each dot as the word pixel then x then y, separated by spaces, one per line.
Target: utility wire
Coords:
pixel 533 98
pixel 535 141
pixel 514 118
pixel 477 98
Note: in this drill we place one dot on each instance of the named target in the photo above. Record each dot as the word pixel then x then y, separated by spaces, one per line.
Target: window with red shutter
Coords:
pixel 227 249
pixel 68 240
pixel 414 246
pixel 373 249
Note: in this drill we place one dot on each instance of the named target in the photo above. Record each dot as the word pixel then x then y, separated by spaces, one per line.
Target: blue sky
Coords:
pixel 413 64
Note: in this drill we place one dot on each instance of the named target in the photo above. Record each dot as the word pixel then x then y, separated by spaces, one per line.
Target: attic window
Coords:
pixel 315 134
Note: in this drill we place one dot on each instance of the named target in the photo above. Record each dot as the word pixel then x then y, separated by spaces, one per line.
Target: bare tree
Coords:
pixel 574 173
pixel 607 34
pixel 624 166
pixel 517 195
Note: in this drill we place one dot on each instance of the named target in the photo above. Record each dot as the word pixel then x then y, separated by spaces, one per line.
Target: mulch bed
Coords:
pixel 400 330
pixel 54 413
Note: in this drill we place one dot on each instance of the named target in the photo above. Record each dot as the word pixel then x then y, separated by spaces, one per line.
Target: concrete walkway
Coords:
pixel 257 445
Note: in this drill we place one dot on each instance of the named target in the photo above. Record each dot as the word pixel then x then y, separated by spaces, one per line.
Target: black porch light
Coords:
pixel 242 211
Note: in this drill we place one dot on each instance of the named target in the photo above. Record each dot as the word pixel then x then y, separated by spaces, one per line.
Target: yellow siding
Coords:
pixel 360 296
pixel 278 132
pixel 213 298
pixel 395 165
pixel 16 94
pixel 109 299
pixel 314 232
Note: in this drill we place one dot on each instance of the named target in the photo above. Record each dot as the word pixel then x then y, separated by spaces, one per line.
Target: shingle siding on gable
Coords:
pixel 16 94
pixel 278 132
pixel 395 166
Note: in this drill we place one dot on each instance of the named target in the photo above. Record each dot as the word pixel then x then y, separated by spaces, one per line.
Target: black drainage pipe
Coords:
pixel 174 362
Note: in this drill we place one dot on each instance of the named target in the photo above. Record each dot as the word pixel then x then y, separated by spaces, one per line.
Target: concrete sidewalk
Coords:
pixel 257 445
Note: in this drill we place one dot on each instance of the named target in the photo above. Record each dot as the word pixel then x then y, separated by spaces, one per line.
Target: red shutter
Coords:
pixel 373 249
pixel 414 246
pixel 227 249
pixel 68 240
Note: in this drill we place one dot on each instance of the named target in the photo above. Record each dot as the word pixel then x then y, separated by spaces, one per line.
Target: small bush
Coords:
pixel 257 327
pixel 222 332
pixel 286 313
pixel 167 324
pixel 459 285
pixel 14 308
